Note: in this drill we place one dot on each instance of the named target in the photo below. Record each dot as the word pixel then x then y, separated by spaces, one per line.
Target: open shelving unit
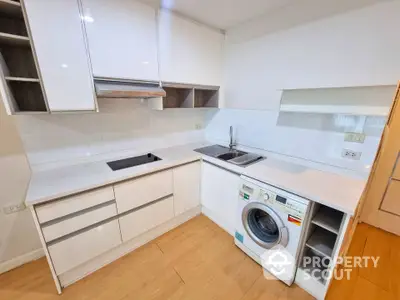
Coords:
pixel 362 100
pixel 322 236
pixel 187 96
pixel 21 87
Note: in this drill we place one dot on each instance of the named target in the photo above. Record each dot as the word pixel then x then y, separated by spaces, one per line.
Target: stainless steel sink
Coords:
pixel 230 155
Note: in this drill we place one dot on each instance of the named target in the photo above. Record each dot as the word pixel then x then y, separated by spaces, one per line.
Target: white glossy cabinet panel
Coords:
pixel 189 52
pixel 80 248
pixel 122 38
pixel 69 205
pixel 140 191
pixel 59 42
pixel 219 195
pixel 146 218
pixel 78 222
pixel 186 187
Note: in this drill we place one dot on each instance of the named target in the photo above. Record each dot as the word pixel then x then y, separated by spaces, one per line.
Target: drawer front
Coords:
pixel 396 172
pixel 67 226
pixel 80 248
pixel 144 219
pixel 70 205
pixel 143 190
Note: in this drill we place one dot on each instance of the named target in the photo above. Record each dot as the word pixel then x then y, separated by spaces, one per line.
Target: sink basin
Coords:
pixel 231 155
pixel 236 157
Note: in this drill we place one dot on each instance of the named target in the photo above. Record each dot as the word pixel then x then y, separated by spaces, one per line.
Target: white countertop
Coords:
pixel 337 191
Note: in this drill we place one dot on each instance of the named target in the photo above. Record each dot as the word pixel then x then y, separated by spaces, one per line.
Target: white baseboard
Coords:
pixel 20 260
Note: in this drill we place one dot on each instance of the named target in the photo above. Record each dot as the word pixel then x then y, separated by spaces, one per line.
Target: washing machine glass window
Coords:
pixel 262 224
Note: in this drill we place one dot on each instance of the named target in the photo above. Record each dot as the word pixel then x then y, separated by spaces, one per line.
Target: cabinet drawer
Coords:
pixel 143 190
pixel 70 205
pixel 67 226
pixel 144 219
pixel 80 248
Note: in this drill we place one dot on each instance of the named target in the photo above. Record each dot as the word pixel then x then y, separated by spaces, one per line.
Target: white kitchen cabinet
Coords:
pixel 137 222
pixel 60 46
pixel 219 195
pixel 186 187
pixel 73 251
pixel 122 39
pixel 189 52
pixel 143 190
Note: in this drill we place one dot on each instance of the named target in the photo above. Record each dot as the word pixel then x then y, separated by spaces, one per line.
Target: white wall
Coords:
pixel 314 137
pixel 356 48
pixel 19 241
pixel 122 124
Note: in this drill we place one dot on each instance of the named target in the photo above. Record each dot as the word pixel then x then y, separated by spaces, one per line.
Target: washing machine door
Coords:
pixel 264 226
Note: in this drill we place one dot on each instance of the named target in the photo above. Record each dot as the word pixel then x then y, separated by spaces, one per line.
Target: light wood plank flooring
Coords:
pixel 197 260
pixel 371 283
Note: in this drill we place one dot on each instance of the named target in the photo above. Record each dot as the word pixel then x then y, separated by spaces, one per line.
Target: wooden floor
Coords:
pixel 197 260
pixel 382 282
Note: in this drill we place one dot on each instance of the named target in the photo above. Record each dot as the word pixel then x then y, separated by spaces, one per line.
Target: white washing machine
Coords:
pixel 268 217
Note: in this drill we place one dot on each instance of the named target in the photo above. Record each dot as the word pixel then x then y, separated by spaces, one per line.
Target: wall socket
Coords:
pixel 350 154
pixel 354 137
pixel 13 208
pixel 198 126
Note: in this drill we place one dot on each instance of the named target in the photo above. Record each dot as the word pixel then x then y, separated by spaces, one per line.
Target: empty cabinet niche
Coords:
pixel 21 88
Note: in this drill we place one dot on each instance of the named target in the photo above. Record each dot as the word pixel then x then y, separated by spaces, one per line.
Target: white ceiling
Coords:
pixel 221 14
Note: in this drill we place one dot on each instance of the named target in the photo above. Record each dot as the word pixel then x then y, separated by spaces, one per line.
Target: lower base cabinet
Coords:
pixel 137 222
pixel 186 187
pixel 219 195
pixel 75 250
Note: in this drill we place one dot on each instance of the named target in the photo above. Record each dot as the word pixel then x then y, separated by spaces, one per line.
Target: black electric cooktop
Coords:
pixel 132 161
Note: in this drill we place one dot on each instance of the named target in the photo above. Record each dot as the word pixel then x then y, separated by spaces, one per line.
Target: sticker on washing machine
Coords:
pixel 295 220
pixel 239 237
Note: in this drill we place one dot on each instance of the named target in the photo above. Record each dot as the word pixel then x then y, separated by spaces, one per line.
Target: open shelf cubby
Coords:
pixel 206 97
pixel 311 267
pixel 26 96
pixel 322 241
pixel 22 87
pixel 10 8
pixel 178 97
pixel 328 218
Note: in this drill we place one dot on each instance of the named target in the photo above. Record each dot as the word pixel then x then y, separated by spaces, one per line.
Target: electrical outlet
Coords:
pixel 346 153
pixel 13 208
pixel 354 137
pixel 198 126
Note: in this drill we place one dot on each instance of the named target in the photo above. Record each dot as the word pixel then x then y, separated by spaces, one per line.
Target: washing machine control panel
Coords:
pixel 284 204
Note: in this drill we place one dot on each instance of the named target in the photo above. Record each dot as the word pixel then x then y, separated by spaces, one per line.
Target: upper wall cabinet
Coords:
pixel 58 39
pixel 189 53
pixel 122 39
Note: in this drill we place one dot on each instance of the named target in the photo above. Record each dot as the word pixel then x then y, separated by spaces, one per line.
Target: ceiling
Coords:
pixel 221 14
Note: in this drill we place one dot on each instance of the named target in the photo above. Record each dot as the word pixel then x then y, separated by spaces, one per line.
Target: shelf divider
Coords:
pixel 13 39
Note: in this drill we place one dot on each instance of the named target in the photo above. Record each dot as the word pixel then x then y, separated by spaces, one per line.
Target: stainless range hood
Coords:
pixel 113 88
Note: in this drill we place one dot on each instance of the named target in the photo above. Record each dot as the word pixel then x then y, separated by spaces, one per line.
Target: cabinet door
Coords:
pixel 58 39
pixel 186 187
pixel 219 195
pixel 189 53
pixel 122 38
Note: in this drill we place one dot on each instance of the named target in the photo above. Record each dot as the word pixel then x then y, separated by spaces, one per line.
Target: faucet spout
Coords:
pixel 231 143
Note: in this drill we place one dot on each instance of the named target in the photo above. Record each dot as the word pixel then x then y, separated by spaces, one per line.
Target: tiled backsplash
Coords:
pixel 59 139
pixel 315 137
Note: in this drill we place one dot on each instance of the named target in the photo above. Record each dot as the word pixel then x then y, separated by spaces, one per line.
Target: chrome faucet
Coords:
pixel 231 142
